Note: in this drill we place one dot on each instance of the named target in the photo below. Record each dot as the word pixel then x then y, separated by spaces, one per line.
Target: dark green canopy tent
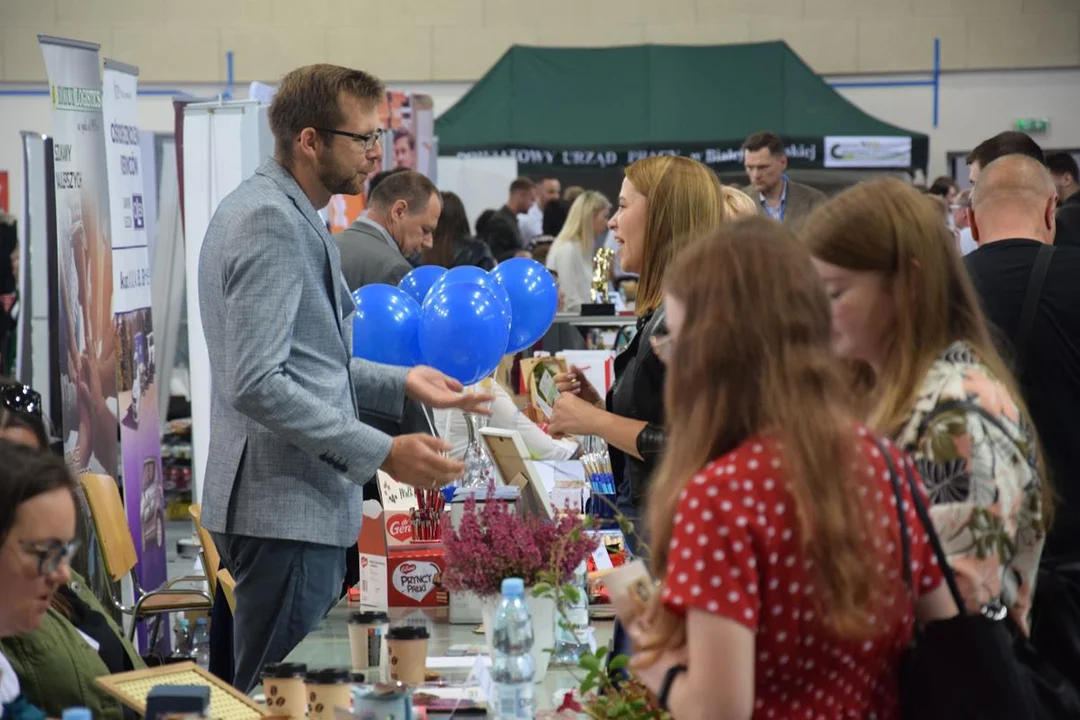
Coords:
pixel 599 108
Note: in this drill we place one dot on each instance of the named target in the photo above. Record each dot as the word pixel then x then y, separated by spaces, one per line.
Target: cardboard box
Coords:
pixel 397 575
pixel 415 577
pixel 398 502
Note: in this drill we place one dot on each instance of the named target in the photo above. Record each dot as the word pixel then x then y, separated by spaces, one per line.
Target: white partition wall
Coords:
pixel 224 143
pixel 481 183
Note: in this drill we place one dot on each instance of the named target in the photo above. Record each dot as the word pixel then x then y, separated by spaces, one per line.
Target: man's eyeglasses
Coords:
pixel 51 553
pixel 21 398
pixel 367 140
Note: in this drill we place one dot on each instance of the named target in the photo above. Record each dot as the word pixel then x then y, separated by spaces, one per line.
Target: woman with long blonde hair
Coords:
pixel 773 519
pixel 665 202
pixel 571 255
pixel 904 307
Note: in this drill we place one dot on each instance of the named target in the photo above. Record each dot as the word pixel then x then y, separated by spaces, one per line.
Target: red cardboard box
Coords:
pixel 415 577
pixel 406 576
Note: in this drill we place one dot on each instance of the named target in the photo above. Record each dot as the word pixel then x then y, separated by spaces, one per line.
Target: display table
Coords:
pixel 328 646
pixel 595 321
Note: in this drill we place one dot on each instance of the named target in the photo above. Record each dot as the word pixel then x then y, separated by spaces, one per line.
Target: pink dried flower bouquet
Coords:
pixel 497 542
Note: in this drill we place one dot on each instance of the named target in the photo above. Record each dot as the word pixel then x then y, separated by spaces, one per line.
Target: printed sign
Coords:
pixel 863 152
pixel 399 527
pixel 395 495
pixel 416 579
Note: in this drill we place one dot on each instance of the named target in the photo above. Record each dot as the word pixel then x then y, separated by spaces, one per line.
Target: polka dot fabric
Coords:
pixel 735 552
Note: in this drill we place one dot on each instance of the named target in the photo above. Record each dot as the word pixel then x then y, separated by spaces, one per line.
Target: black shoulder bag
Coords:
pixel 1051 656
pixel 964 666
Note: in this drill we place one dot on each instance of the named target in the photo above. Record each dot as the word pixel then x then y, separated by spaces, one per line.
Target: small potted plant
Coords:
pixel 604 690
pixel 495 542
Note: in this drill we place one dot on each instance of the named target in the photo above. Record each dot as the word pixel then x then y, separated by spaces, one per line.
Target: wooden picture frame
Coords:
pixel 119 686
pixel 508 452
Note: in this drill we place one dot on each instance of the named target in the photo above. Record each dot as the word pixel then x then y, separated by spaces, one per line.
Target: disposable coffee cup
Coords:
pixel 407 646
pixel 284 688
pixel 366 632
pixel 328 690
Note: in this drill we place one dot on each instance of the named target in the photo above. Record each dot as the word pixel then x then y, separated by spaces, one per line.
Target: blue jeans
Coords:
pixel 284 589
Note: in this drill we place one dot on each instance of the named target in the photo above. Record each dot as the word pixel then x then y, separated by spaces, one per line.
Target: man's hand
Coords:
pixel 431 387
pixel 417 460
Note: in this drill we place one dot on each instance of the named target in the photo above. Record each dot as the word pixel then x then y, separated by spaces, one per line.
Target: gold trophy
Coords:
pixel 601 273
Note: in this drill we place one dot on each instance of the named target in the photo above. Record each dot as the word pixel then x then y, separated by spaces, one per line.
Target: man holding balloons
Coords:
pixel 288 455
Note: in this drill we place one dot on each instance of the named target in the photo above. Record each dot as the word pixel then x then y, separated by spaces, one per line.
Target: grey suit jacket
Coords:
pixel 287 452
pixel 801 201
pixel 366 257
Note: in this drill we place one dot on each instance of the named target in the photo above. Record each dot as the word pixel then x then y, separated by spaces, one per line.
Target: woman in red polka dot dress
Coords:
pixel 773 517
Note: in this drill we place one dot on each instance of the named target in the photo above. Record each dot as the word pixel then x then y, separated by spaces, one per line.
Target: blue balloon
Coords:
pixel 534 299
pixel 419 281
pixel 386 326
pixel 473 274
pixel 463 331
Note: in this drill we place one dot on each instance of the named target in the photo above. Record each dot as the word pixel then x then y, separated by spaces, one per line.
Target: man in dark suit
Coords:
pixel 502 233
pixel 778 197
pixel 288 454
pixel 403 211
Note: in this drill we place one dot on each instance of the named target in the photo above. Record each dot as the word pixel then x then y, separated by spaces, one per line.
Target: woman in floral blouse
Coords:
pixel 904 306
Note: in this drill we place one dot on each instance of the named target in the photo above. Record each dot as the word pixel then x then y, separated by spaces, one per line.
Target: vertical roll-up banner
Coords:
pixel 140 440
pixel 87 346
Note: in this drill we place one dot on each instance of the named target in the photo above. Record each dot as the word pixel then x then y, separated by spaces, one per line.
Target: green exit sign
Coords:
pixel 1032 125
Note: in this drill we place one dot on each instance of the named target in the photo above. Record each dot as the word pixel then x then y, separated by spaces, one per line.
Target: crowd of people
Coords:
pixel 797 360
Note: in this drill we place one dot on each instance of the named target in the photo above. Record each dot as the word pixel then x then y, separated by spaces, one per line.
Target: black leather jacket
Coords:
pixel 468 251
pixel 638 393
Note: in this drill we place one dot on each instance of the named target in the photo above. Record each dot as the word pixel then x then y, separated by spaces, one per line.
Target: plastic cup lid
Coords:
pixel 284 670
pixel 329 676
pixel 408 632
pixel 369 618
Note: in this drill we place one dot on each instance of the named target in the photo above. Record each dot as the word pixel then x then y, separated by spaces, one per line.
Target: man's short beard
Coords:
pixel 333 181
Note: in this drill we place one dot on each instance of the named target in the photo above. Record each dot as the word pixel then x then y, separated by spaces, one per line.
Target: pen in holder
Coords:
pixel 427 517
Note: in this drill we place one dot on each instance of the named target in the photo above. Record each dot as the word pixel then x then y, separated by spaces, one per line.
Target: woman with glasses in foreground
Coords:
pixel 37 537
pixel 773 518
pixel 56 663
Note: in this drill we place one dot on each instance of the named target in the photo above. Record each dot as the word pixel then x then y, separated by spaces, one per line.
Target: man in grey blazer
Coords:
pixel 288 456
pixel 778 197
pixel 403 211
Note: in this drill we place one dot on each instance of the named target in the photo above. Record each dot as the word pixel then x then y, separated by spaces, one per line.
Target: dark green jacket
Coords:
pixel 56 666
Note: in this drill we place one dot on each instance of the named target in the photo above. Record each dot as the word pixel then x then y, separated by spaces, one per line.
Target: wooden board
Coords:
pixel 226 703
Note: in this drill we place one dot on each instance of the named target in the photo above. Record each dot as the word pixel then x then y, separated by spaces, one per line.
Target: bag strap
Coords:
pixel 928 526
pixel 1031 305
pixel 905 532
pixel 966 406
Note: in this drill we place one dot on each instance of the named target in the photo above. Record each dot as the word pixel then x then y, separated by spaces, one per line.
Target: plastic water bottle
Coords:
pixel 513 669
pixel 572 641
pixel 182 636
pixel 200 644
